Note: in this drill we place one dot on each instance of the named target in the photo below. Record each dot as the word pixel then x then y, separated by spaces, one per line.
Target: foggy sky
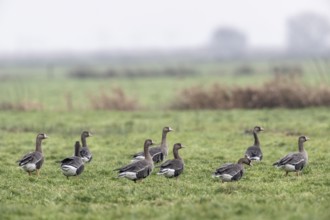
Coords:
pixel 78 25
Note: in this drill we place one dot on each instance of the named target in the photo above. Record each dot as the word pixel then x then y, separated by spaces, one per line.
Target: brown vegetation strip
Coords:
pixel 281 91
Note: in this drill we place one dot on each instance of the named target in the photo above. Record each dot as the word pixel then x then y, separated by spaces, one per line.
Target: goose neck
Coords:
pixel 76 150
pixel 83 141
pixel 38 145
pixel 147 155
pixel 301 146
pixel 163 143
pixel 256 139
pixel 176 154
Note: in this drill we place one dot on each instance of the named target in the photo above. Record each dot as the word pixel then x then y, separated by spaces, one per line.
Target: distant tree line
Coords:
pixel 83 72
pixel 307 34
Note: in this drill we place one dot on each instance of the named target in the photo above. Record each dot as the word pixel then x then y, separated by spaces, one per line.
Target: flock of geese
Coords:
pixel 142 163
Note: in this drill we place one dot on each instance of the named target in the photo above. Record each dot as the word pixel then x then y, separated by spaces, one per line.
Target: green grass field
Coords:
pixel 211 138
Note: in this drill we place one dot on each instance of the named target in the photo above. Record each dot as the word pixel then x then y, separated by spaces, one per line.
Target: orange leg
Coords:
pixel 38 172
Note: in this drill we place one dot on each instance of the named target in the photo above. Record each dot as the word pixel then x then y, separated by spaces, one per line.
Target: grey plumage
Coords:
pixel 254 152
pixel 33 161
pixel 294 162
pixel 158 153
pixel 173 168
pixel 232 171
pixel 85 153
pixel 73 166
pixel 140 169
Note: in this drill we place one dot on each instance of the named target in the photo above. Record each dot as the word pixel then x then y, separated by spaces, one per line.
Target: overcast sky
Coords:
pixel 89 25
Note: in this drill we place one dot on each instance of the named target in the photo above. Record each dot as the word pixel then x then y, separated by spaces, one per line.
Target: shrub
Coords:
pixel 281 91
pixel 116 99
pixel 21 106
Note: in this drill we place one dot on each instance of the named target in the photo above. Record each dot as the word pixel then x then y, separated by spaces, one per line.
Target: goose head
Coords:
pixel 245 160
pixel 167 129
pixel 257 129
pixel 86 134
pixel 148 143
pixel 178 146
pixel 42 136
pixel 303 139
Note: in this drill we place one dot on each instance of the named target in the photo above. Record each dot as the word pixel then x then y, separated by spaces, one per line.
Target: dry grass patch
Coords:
pixel 281 91
pixel 21 106
pixel 115 99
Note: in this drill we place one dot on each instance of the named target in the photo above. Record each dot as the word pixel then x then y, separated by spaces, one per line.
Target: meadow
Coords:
pixel 211 138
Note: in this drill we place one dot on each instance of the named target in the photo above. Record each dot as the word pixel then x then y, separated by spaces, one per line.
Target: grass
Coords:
pixel 211 138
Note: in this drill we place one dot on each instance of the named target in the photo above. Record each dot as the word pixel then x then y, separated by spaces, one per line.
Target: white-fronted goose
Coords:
pixel 254 152
pixel 173 168
pixel 294 162
pixel 85 153
pixel 33 161
pixel 140 169
pixel 73 166
pixel 232 171
pixel 158 153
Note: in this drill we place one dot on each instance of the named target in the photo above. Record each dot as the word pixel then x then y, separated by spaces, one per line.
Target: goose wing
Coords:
pixel 228 168
pixel 72 161
pixel 133 167
pixel 253 151
pixel 172 164
pixel 141 168
pixel 155 152
pixel 152 150
pixel 292 159
pixel 32 157
pixel 84 152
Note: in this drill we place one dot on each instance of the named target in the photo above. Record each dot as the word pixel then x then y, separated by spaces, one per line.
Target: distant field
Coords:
pixel 53 90
pixel 211 138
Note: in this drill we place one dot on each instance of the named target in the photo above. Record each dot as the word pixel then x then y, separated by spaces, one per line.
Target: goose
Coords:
pixel 158 153
pixel 73 166
pixel 85 154
pixel 254 152
pixel 33 161
pixel 140 169
pixel 294 162
pixel 232 171
pixel 173 168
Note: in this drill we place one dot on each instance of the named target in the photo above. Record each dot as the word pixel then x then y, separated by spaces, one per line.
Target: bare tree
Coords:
pixel 228 42
pixel 308 33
